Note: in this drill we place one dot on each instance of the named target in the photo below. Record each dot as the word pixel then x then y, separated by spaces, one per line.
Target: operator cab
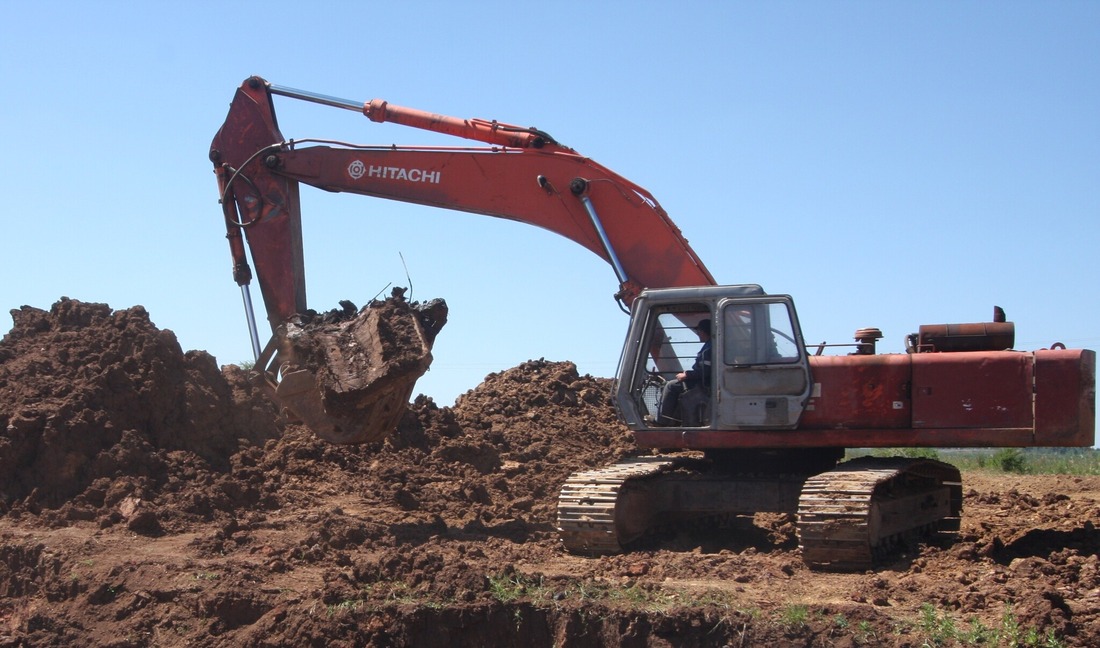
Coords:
pixel 760 375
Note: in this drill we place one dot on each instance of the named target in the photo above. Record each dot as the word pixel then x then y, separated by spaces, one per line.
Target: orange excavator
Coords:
pixel 739 413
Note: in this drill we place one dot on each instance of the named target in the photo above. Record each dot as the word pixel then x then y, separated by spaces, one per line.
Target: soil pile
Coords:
pixel 88 395
pixel 149 498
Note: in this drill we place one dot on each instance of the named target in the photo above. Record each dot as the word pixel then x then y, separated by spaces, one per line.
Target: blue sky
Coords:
pixel 887 164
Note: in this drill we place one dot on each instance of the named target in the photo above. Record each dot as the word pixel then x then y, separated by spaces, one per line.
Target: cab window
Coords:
pixel 756 333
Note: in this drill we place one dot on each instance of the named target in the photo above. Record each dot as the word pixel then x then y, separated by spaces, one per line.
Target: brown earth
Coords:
pixel 148 498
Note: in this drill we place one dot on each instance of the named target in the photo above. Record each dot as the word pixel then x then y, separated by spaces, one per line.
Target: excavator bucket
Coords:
pixel 349 379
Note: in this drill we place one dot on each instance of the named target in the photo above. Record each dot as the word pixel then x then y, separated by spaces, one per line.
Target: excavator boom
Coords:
pixel 522 174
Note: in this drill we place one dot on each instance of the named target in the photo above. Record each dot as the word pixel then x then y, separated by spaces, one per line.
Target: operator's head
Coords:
pixel 703 326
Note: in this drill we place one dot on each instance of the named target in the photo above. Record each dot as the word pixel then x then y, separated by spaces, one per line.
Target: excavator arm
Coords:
pixel 516 173
pixel 524 175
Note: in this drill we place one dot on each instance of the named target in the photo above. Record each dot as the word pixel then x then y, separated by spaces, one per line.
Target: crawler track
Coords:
pixel 863 509
pixel 591 517
pixel 848 517
pixel 602 511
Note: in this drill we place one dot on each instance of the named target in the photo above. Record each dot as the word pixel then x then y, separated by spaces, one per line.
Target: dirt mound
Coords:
pixel 149 498
pixel 90 394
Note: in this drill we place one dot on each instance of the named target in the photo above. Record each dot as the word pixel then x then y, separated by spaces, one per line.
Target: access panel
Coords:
pixel 991 389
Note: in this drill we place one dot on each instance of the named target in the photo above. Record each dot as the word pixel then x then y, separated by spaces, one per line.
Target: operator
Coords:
pixel 696 377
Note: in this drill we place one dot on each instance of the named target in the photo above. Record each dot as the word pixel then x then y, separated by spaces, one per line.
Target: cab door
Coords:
pixel 761 366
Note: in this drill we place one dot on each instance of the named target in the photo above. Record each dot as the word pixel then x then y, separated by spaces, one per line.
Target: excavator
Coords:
pixel 767 422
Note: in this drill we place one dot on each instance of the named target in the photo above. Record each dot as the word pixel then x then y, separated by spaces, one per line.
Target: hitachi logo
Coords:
pixel 357 170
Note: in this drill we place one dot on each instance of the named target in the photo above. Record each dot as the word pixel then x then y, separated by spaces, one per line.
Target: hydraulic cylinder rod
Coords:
pixel 490 132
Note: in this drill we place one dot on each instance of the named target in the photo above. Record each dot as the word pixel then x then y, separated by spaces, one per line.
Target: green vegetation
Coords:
pixel 930 627
pixel 349 605
pixel 509 587
pixel 938 628
pixel 380 594
pixel 1010 460
pixel 649 599
pixel 794 617
pixel 865 632
pixel 1029 461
